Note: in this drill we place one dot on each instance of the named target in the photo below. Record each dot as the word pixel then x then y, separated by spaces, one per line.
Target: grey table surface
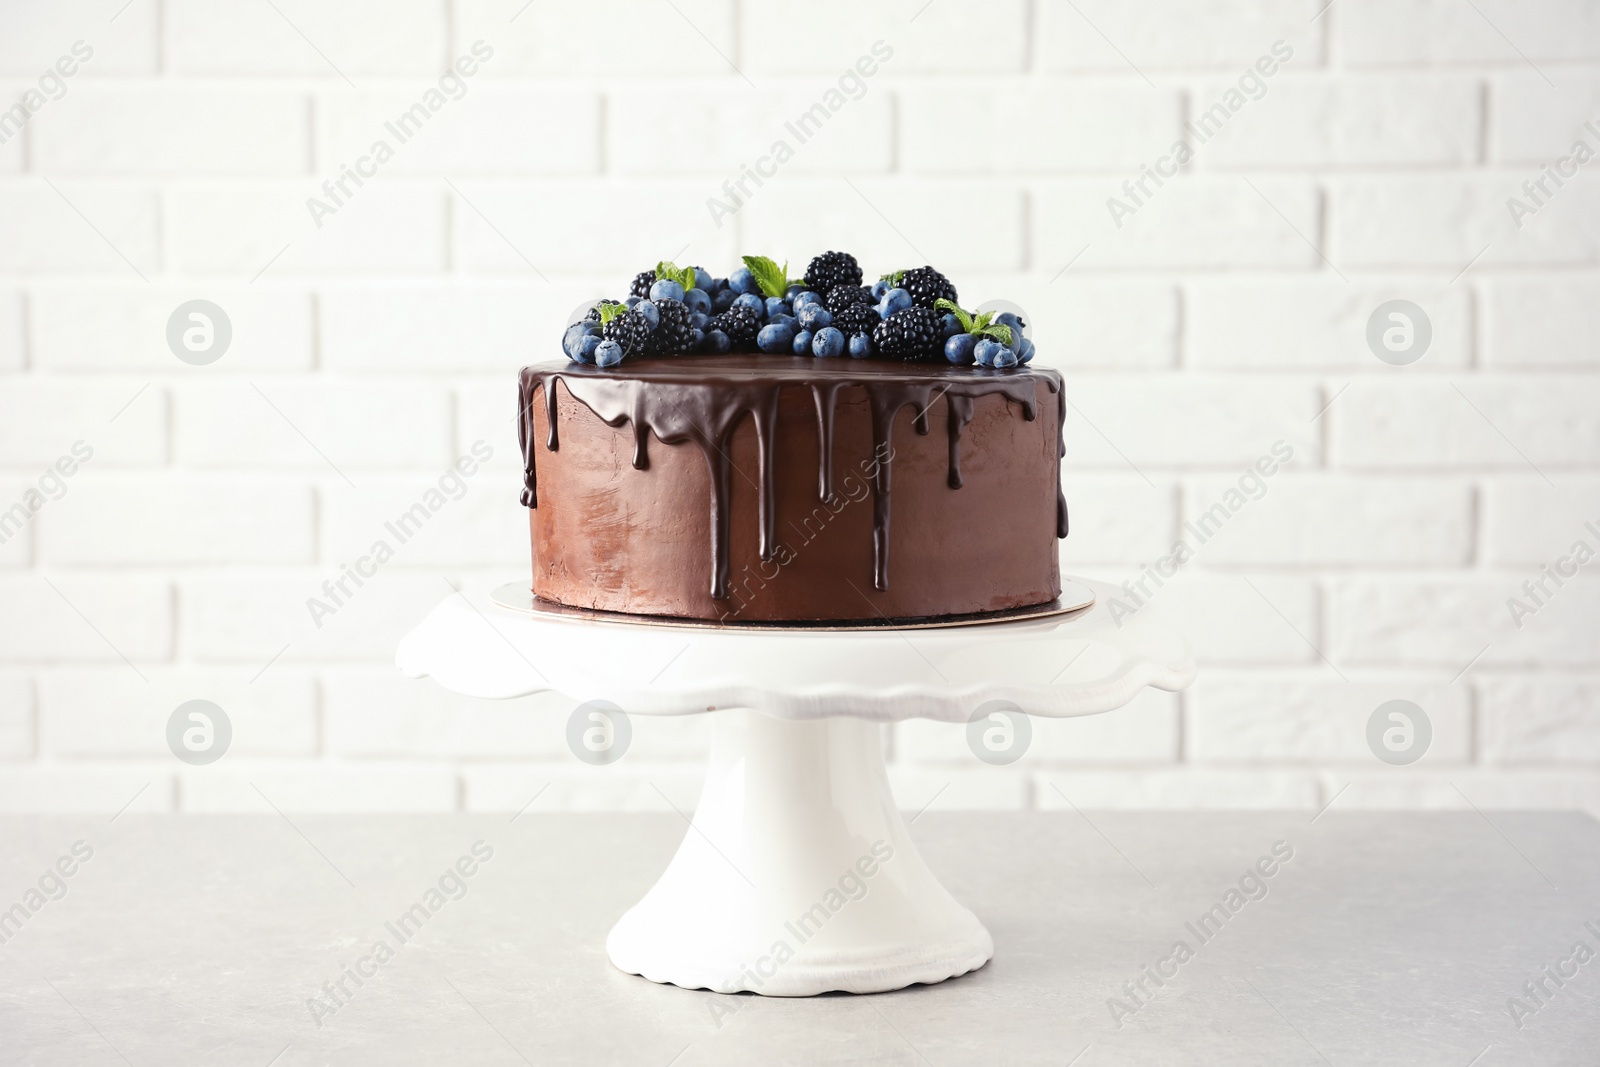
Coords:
pixel 1386 938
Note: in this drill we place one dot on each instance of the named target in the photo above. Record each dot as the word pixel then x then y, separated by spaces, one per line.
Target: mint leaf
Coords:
pixel 772 279
pixel 1001 333
pixel 609 311
pixel 671 272
pixel 981 321
pixel 961 316
pixel 893 278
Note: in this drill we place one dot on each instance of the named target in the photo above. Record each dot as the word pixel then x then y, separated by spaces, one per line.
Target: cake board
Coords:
pixel 798 874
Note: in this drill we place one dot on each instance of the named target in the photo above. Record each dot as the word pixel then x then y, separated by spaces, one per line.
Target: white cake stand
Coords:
pixel 798 875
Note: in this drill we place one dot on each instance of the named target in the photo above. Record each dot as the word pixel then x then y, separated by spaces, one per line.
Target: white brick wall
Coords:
pixel 1226 313
pixel 119 130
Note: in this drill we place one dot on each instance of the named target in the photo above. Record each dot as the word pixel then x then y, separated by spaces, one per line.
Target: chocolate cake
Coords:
pixel 710 453
pixel 775 487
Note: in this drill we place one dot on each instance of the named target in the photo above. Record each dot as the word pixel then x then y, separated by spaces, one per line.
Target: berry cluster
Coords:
pixel 909 315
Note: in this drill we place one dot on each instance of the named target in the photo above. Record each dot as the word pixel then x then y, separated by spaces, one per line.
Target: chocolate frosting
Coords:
pixel 701 399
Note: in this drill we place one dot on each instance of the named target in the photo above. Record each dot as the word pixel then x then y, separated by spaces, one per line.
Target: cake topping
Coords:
pixel 856 319
pixel 642 283
pixel 672 332
pixel 828 342
pixel 771 280
pixel 739 325
pixel 927 287
pixel 999 341
pixel 833 269
pixel 843 296
pixel 630 329
pixel 912 334
pixel 908 315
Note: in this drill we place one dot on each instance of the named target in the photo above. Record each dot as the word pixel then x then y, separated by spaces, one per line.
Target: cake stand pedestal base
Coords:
pixel 798 875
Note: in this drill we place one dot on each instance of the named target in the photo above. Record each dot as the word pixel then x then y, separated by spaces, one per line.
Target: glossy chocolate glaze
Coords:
pixel 702 399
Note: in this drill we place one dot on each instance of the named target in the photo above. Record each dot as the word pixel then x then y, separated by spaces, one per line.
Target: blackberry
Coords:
pixel 642 283
pixel 927 285
pixel 740 323
pixel 912 335
pixel 856 318
pixel 842 296
pixel 831 269
pixel 671 334
pixel 631 331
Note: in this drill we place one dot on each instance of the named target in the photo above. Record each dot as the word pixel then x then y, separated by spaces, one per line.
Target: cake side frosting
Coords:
pixel 703 402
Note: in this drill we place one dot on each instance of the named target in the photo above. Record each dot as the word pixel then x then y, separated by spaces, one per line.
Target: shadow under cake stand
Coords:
pixel 798 875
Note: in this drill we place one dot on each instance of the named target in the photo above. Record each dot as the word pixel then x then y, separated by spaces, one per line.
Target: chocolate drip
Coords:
pixel 885 406
pixel 766 417
pixel 554 443
pixel 717 460
pixel 825 397
pixel 530 481
pixel 703 399
pixel 641 438
pixel 959 412
pixel 1061 453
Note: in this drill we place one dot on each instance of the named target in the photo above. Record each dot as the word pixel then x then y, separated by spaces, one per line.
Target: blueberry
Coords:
pixel 697 300
pixel 896 300
pixel 949 325
pixel 806 296
pixel 702 279
pixel 1025 352
pixel 802 343
pixel 570 339
pixel 790 319
pixel 1006 318
pixel 698 320
pixel 776 305
pixel 986 350
pixel 697 337
pixel 828 342
pixel 958 349
pixel 794 290
pixel 1004 357
pixel 753 302
pixel 775 338
pixel 666 289
pixel 717 341
pixel 632 301
pixel 651 313
pixel 587 346
pixel 860 346
pixel 609 354
pixel 742 281
pixel 814 317
pixel 879 287
pixel 716 286
pixel 722 299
